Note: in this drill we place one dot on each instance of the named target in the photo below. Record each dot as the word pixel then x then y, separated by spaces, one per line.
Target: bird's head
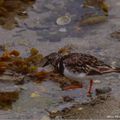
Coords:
pixel 52 59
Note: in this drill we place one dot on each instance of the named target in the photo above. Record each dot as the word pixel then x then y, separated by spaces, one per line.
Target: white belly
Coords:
pixel 74 76
pixel 80 77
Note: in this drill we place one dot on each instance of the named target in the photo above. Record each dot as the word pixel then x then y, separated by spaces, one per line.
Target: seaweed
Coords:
pixel 9 9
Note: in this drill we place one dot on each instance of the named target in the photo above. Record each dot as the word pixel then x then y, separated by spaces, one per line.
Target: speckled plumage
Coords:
pixel 78 66
pixel 79 63
pixel 84 63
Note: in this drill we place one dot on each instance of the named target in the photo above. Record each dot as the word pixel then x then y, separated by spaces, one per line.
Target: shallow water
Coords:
pixel 41 31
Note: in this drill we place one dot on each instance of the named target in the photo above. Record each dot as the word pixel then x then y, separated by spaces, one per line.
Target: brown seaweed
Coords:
pixel 9 9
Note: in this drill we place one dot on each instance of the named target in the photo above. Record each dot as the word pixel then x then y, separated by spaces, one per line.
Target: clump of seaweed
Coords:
pixel 8 96
pixel 101 4
pixel 9 9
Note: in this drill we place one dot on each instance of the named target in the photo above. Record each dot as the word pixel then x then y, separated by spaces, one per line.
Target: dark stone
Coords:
pixel 67 99
pixel 103 90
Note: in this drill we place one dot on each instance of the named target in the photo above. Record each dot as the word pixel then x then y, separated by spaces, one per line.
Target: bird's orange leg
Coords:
pixel 90 88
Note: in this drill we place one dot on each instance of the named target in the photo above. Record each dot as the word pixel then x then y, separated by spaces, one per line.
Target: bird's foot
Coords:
pixel 89 94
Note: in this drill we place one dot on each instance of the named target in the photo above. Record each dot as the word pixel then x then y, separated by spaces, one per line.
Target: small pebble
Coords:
pixel 97 81
pixel 54 111
pixel 80 108
pixel 63 20
pixel 103 97
pixel 62 30
pixel 103 90
pixel 67 99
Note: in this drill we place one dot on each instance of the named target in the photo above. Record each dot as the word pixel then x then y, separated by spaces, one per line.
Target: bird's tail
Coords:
pixel 116 70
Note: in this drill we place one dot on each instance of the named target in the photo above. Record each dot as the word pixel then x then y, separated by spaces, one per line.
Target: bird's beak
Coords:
pixel 44 62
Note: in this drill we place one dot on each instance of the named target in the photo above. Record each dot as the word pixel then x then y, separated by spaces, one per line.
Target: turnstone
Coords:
pixel 78 66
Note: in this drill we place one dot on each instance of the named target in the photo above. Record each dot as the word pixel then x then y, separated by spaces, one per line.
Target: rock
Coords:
pixel 53 113
pixel 99 99
pixel 103 90
pixel 8 95
pixel 63 20
pixel 80 108
pixel 63 30
pixel 67 99
pixel 103 97
pixel 10 77
pixel 116 35
pixel 97 81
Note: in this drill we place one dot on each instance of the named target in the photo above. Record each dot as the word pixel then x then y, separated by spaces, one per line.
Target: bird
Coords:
pixel 78 66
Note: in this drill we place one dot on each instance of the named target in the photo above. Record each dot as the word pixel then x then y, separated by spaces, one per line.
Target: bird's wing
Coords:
pixel 88 64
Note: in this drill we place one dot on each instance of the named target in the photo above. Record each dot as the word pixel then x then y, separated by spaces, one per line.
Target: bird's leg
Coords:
pixel 90 88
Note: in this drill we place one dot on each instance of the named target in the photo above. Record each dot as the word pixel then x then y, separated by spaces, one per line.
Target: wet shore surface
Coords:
pixel 40 31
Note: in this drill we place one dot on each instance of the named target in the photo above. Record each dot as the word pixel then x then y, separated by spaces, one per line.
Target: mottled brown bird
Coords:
pixel 79 66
